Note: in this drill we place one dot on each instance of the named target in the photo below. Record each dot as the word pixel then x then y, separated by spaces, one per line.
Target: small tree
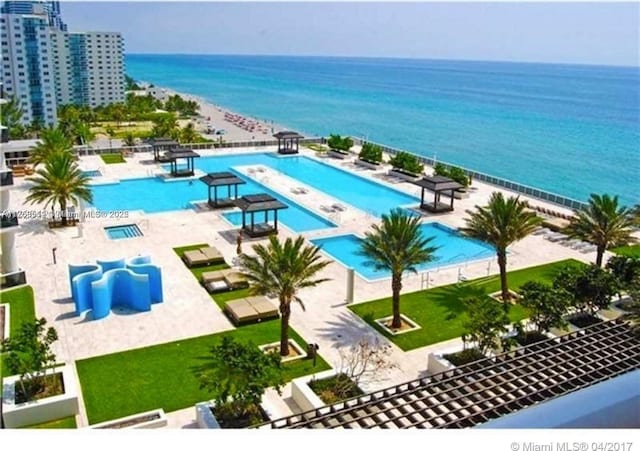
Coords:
pixel 371 152
pixel 626 270
pixel 337 142
pixel 362 359
pixel 29 354
pixel 590 288
pixel 546 304
pixel 238 376
pixel 486 322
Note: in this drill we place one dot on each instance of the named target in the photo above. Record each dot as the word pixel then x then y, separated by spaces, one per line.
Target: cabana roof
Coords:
pixel 182 153
pixel 163 142
pixel 287 134
pixel 252 203
pixel 437 183
pixel 221 179
pixel 478 392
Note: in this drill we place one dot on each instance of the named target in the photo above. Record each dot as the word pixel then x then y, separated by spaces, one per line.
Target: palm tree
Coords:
pixel 83 133
pixel 129 140
pixel 603 223
pixel 396 245
pixel 59 182
pixel 189 134
pixel 11 113
pixel 501 223
pixel 281 270
pixel 52 141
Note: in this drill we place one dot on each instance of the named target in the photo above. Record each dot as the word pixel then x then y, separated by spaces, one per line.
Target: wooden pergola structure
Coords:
pixel 259 203
pixel 182 154
pixel 288 142
pixel 438 184
pixel 217 180
pixel 160 146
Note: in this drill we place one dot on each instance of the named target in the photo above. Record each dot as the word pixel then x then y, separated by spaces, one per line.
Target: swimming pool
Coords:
pixel 154 195
pixel 124 231
pixel 453 248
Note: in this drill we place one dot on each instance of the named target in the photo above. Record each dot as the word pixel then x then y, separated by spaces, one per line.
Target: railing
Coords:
pixel 6 177
pixel 8 220
pixel 497 181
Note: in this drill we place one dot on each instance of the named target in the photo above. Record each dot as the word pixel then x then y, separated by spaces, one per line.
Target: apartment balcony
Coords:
pixel 6 178
pixel 8 280
pixel 8 222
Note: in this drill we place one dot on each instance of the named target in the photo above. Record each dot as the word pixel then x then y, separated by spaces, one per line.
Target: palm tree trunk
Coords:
pixel 396 286
pixel 504 283
pixel 63 207
pixel 599 255
pixel 285 313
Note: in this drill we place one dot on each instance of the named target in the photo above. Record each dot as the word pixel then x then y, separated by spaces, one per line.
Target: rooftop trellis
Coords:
pixel 481 391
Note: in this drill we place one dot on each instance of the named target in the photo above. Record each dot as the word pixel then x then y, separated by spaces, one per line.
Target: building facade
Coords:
pixel 45 66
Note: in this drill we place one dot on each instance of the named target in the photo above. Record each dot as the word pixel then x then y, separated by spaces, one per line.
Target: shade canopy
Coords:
pixel 288 141
pixel 216 180
pixel 438 184
pixel 259 202
pixel 174 155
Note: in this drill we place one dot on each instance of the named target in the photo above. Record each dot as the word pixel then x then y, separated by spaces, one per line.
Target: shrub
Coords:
pixel 486 322
pixel 337 142
pixel 371 153
pixel 408 162
pixel 547 305
pixel 589 288
pixel 454 173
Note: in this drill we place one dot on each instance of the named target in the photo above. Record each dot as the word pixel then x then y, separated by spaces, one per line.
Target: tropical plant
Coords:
pixel 238 375
pixel 626 270
pixel 337 142
pixel 129 139
pixel 281 270
pixel 52 141
pixel 371 153
pixel 11 113
pixel 29 354
pixel 111 133
pixel 485 324
pixel 165 125
pixel 406 161
pixel 604 223
pixel 130 84
pixel 396 245
pixel 589 288
pixel 546 304
pixel 83 133
pixel 454 173
pixel 35 128
pixel 59 182
pixel 189 134
pixel 501 223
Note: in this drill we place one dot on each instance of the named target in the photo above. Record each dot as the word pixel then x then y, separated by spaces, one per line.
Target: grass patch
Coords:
pixel 222 298
pixel 112 158
pixel 21 310
pixel 627 251
pixel 440 311
pixel 165 376
pixel 316 147
pixel 63 423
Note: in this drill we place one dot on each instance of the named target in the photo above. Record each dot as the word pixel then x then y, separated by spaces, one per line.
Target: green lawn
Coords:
pixel 21 309
pixel 64 423
pixel 112 158
pixel 440 311
pixel 628 251
pixel 165 376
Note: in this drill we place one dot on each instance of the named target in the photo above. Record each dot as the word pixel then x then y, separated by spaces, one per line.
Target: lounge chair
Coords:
pixel 241 311
pixel 339 207
pixel 202 257
pixel 263 306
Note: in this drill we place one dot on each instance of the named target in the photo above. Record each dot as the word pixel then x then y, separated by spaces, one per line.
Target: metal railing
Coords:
pixel 547 196
pixel 13 279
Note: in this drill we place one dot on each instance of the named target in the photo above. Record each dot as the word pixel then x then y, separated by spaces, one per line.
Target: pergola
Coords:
pixel 161 145
pixel 220 179
pixel 257 203
pixel 288 142
pixel 438 184
pixel 186 154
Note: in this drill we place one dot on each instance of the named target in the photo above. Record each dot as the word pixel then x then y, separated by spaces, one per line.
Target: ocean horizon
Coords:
pixel 572 129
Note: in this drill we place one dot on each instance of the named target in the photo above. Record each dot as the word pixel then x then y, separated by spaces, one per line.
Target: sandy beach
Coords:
pixel 237 127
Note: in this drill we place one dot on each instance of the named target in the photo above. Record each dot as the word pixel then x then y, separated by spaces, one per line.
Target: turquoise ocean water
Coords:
pixel 569 129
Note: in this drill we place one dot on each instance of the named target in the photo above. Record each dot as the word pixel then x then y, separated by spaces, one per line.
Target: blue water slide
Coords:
pixel 143 265
pixel 106 265
pixel 120 287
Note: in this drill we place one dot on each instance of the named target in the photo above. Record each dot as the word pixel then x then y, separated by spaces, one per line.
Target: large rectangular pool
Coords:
pixel 453 248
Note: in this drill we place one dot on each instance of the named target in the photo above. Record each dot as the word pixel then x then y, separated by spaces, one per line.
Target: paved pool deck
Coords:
pixel 188 311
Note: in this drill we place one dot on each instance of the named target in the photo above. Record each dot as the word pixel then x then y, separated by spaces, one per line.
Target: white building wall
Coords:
pixel 105 67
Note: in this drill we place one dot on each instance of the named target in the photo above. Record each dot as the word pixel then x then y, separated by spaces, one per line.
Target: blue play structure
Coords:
pixel 135 283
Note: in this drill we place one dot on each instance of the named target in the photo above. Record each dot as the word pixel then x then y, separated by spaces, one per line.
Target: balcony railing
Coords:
pixel 8 220
pixel 6 177
pixel 13 279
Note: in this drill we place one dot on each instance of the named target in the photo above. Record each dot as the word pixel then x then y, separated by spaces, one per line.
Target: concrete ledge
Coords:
pixel 339 155
pixel 405 175
pixel 381 322
pixel 302 394
pixel 156 423
pixel 205 419
pixel 292 343
pixel 437 364
pixel 368 164
pixel 41 410
pixel 7 320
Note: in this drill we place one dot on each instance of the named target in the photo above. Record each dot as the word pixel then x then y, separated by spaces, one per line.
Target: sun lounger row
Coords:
pixel 299 190
pixel 224 280
pixel 255 308
pixel 333 208
pixel 203 257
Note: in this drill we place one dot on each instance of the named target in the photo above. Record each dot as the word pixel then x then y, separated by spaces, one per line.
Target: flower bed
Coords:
pixel 335 388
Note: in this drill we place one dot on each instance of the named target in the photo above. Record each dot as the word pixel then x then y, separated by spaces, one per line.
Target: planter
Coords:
pixel 338 154
pixel 295 350
pixel 5 325
pixel 460 194
pixel 40 410
pixel 302 394
pixel 408 325
pixel 368 164
pixel 206 419
pixel 581 320
pixel 152 419
pixel 437 364
pixel 408 176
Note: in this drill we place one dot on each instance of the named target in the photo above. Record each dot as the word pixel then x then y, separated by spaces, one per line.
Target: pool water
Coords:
pixel 453 248
pixel 124 231
pixel 93 173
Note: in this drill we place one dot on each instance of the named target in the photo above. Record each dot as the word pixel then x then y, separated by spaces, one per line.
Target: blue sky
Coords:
pixel 587 33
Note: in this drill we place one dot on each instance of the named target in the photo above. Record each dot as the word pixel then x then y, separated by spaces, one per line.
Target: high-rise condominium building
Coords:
pixel 45 66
